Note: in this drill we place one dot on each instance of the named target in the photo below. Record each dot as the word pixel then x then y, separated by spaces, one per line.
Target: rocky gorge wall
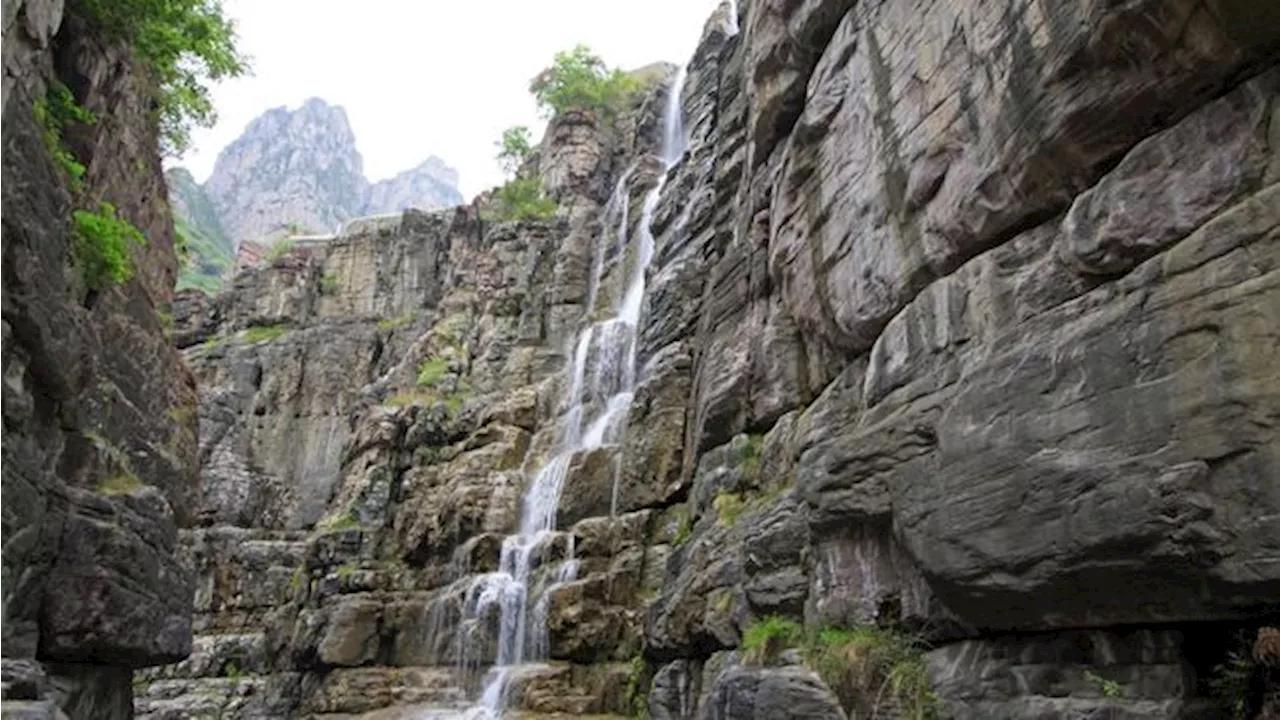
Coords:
pixel 960 322
pixel 100 440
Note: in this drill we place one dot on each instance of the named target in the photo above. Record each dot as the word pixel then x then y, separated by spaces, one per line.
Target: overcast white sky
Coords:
pixel 430 77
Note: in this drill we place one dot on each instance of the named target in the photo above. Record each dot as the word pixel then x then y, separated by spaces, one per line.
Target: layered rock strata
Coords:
pixel 100 442
pixel 959 323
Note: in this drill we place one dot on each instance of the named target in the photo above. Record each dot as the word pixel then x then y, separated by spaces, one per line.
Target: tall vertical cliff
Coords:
pixel 99 410
pixel 947 329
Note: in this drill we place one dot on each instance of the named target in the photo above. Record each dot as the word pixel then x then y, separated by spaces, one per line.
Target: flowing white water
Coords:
pixel 603 369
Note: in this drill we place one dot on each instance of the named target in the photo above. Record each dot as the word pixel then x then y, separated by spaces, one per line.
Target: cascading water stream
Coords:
pixel 523 604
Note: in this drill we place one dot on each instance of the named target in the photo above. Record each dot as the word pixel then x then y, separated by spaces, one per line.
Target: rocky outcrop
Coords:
pixel 955 342
pixel 99 410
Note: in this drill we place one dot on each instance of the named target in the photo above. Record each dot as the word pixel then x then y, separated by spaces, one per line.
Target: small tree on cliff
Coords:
pixel 186 44
pixel 519 198
pixel 515 148
pixel 579 80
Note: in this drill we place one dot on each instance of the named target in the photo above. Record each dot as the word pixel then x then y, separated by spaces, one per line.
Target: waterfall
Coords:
pixel 520 593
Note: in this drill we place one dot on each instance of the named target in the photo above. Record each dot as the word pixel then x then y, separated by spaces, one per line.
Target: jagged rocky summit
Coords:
pixel 294 172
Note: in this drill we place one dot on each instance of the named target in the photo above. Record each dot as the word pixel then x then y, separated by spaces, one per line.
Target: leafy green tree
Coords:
pixel 186 44
pixel 579 79
pixel 515 148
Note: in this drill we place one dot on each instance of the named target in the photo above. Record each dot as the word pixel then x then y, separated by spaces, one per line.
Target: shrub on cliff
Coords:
pixel 54 112
pixel 103 246
pixel 522 199
pixel 579 80
pixel 867 667
pixel 766 638
pixel 185 44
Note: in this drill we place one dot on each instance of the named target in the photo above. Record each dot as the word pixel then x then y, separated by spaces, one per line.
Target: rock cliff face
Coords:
pixel 100 441
pixel 957 321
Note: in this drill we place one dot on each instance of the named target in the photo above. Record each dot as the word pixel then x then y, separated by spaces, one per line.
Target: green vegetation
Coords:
pixel 766 638
pixel 451 330
pixel 751 454
pixel 428 455
pixel 395 323
pixel 729 507
pixel 185 44
pixel 203 259
pixel 515 148
pixel 54 112
pixel 330 284
pixel 344 522
pixel 181 244
pixel 103 245
pixel 259 333
pixel 1228 683
pixel 346 571
pixel 166 321
pixel 579 80
pixel 521 199
pixel 432 371
pixel 865 666
pixel 1110 688
pixel 232 671
pixel 295 580
pixel 122 483
pixel 721 600
pixel 683 532
pixel 637 700
pixel 278 249
pixel 209 345
pixel 453 401
pixel 210 253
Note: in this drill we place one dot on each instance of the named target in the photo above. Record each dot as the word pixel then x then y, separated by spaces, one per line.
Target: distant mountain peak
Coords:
pixel 301 168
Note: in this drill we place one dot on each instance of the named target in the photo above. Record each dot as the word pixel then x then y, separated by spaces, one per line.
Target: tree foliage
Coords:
pixel 523 199
pixel 186 44
pixel 579 79
pixel 54 112
pixel 104 246
pixel 515 148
